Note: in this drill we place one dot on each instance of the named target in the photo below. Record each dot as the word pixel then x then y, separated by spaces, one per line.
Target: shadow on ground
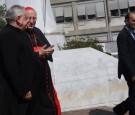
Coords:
pixel 103 110
pixel 91 111
pixel 100 112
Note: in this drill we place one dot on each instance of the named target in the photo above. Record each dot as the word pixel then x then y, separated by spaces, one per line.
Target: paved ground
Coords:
pixel 94 111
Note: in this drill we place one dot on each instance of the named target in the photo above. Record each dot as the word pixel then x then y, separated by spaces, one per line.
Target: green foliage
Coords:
pixel 81 44
pixel 108 53
pixel 2 11
pixel 2 23
pixel 2 15
pixel 74 44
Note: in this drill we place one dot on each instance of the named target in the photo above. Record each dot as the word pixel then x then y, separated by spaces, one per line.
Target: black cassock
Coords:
pixel 48 100
pixel 18 66
pixel 5 97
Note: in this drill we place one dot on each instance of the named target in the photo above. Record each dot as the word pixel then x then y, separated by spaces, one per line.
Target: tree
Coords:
pixel 2 16
pixel 2 11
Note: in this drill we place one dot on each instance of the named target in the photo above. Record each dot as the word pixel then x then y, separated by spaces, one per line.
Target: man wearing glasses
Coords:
pixel 48 103
pixel 126 63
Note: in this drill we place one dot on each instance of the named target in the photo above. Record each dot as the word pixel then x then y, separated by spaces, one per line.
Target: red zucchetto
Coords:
pixel 29 8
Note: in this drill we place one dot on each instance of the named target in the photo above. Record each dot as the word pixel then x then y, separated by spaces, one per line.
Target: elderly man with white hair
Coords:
pixel 18 66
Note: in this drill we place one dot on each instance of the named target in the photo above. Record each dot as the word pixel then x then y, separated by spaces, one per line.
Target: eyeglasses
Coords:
pixel 30 18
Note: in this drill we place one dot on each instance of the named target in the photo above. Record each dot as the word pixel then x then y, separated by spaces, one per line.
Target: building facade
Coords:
pixel 2 2
pixel 100 19
pixel 82 19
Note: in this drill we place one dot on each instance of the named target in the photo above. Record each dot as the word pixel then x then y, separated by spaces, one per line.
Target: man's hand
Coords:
pixel 28 96
pixel 133 79
pixel 50 50
pixel 46 51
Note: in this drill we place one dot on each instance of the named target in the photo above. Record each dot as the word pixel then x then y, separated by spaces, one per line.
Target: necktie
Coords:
pixel 134 33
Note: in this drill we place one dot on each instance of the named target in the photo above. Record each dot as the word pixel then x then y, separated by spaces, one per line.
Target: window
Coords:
pixel 132 5
pixel 113 5
pixel 81 12
pixel 59 15
pixel 68 14
pixel 123 5
pixel 68 19
pixel 100 10
pixel 91 16
pixel 132 8
pixel 114 13
pixel 91 11
pixel 60 19
pixel 82 17
pixel 123 12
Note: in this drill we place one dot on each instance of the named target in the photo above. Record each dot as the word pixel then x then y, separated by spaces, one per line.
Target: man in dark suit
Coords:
pixel 18 66
pixel 126 63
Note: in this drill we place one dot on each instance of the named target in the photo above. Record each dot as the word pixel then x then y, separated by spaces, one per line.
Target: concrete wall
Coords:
pixel 65 27
pixel 117 21
pixel 92 24
pixel 86 78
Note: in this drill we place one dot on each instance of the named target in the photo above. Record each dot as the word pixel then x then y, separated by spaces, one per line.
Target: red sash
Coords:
pixel 37 48
pixel 57 102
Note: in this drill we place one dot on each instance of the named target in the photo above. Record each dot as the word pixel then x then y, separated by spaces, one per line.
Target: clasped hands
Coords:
pixel 28 96
pixel 46 51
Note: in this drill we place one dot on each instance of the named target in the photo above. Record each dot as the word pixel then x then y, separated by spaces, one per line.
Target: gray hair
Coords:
pixel 13 12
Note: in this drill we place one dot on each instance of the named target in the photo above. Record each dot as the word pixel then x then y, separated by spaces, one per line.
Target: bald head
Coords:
pixel 130 19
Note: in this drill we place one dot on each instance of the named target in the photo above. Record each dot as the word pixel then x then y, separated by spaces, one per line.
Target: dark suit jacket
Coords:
pixel 17 62
pixel 126 54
